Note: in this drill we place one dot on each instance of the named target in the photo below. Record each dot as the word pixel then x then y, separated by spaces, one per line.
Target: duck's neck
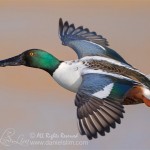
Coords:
pixel 52 65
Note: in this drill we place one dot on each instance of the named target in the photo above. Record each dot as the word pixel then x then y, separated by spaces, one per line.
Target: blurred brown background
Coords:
pixel 31 101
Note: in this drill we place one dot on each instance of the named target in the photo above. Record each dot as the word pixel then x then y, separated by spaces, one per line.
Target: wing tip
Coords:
pixel 81 33
pixel 60 20
pixel 96 116
pixel 60 27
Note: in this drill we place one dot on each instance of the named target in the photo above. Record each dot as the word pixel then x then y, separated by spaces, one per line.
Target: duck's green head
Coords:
pixel 35 58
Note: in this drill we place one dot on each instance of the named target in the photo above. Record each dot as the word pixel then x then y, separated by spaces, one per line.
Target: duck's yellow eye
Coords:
pixel 31 53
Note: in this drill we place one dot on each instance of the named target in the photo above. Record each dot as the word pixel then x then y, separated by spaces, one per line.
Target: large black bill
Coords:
pixel 13 61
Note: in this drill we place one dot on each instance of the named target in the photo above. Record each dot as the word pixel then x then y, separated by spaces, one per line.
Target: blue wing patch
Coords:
pixel 86 43
pixel 92 83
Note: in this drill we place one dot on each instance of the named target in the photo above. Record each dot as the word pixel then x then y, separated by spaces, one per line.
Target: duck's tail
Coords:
pixel 146 93
pixel 140 93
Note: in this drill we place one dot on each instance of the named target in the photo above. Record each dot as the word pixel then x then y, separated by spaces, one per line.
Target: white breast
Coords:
pixel 68 75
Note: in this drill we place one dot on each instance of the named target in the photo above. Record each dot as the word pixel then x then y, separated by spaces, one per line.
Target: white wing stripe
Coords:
pixel 104 92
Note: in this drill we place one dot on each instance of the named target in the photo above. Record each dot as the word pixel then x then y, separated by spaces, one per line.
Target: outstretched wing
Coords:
pixel 99 103
pixel 85 42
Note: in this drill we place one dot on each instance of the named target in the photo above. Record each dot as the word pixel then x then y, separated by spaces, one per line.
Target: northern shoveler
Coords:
pixel 102 80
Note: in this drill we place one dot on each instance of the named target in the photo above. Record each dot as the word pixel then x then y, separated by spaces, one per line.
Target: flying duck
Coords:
pixel 102 80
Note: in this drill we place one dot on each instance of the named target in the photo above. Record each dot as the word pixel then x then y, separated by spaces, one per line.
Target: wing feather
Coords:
pixel 94 117
pixel 69 32
pixel 99 115
pixel 86 43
